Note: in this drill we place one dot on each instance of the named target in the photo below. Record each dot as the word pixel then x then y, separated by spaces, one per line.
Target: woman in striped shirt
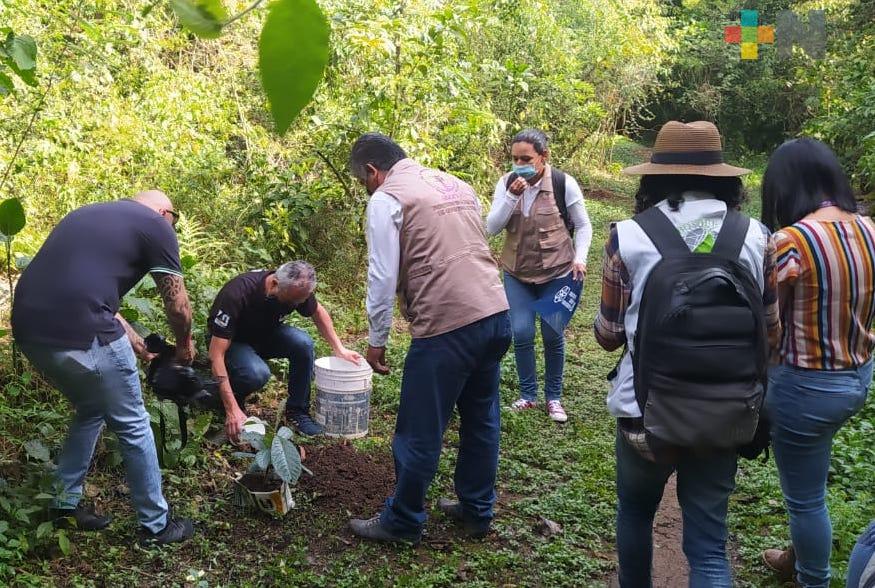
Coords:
pixel 826 291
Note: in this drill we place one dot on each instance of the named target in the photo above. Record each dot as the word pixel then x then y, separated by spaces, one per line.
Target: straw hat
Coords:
pixel 687 149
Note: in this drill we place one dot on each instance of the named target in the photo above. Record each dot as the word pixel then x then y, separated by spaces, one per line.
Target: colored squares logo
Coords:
pixel 750 35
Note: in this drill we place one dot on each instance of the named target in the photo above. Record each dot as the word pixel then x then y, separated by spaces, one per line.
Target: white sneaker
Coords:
pixel 556 412
pixel 522 404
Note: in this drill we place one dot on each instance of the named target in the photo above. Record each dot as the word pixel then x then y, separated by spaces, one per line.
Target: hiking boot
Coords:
pixel 522 404
pixel 304 424
pixel 556 412
pixel 453 509
pixel 373 530
pixel 782 562
pixel 176 531
pixel 80 518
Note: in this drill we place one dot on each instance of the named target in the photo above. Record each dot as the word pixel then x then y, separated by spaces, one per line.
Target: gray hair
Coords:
pixel 296 274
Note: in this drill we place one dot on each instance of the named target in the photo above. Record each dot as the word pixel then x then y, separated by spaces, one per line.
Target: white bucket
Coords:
pixel 343 397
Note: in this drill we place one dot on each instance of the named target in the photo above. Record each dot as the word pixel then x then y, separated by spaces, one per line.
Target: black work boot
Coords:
pixel 373 530
pixel 453 509
pixel 176 531
pixel 81 518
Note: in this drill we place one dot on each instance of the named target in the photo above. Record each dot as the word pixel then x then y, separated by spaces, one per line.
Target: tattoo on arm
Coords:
pixel 176 304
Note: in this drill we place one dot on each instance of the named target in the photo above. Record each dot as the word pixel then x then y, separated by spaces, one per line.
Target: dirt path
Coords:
pixel 670 568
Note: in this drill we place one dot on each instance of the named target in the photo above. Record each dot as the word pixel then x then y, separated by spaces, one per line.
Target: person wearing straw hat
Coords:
pixel 689 184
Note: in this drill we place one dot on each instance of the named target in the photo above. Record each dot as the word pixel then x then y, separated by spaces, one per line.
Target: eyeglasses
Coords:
pixel 175 216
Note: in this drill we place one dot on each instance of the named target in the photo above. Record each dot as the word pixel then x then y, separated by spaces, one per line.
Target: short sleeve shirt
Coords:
pixel 70 292
pixel 242 311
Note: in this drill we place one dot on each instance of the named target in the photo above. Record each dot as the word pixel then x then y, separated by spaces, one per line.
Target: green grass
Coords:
pixel 563 473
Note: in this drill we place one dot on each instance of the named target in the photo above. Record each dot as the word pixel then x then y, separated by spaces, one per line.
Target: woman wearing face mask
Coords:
pixel 538 250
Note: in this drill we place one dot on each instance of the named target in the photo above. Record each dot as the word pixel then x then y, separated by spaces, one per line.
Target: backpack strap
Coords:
pixel 732 234
pixel 662 232
pixel 558 179
pixel 183 424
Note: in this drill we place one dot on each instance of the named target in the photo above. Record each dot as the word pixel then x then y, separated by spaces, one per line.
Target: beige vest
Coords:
pixel 447 278
pixel 537 249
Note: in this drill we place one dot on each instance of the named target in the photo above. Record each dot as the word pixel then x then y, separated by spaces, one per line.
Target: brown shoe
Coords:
pixel 783 562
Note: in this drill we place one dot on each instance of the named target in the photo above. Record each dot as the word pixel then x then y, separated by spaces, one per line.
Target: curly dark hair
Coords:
pixel 656 188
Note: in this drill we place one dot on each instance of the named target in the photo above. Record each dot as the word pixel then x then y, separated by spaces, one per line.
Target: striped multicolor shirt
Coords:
pixel 826 289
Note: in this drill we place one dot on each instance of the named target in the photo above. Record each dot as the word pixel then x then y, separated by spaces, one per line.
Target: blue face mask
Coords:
pixel 525 171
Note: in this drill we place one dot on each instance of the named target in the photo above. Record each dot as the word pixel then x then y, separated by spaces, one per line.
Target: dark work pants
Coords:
pixel 457 369
pixel 248 371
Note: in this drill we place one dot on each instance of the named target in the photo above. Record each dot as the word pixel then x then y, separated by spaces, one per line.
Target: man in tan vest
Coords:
pixel 427 244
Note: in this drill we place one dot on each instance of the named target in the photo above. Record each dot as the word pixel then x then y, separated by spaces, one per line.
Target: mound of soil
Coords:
pixel 346 480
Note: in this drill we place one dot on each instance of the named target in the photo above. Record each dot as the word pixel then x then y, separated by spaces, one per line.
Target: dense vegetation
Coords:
pixel 124 99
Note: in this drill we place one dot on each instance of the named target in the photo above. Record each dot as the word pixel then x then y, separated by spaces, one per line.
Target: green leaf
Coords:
pixel 262 459
pixel 286 433
pixel 37 450
pixel 43 496
pixel 11 217
pixel 286 459
pixel 6 85
pixel 21 50
pixel 188 262
pixel 4 526
pixel 254 439
pixel 243 454
pixel 28 76
pixel 129 314
pixel 204 18
pixel 44 529
pixel 292 54
pixel 63 542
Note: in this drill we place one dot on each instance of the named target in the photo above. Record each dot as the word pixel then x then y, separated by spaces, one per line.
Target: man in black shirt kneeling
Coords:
pixel 246 328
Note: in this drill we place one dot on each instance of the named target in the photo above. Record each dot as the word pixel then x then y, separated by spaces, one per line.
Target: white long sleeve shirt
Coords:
pixel 504 201
pixel 383 232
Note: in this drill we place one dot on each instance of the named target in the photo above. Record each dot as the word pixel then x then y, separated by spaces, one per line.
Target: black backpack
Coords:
pixel 701 348
pixel 185 386
pixel 558 177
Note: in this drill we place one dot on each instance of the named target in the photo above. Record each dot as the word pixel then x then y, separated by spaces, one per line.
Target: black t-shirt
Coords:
pixel 243 312
pixel 71 290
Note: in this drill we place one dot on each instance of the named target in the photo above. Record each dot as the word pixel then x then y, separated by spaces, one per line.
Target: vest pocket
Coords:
pixel 555 245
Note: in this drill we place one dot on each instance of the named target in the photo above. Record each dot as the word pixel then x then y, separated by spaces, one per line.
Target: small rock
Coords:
pixel 548 528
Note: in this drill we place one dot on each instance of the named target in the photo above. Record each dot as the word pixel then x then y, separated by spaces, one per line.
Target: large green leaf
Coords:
pixel 22 50
pixel 254 439
pixel 286 460
pixel 6 86
pixel 204 18
pixel 292 54
pixel 37 450
pixel 11 217
pixel 262 459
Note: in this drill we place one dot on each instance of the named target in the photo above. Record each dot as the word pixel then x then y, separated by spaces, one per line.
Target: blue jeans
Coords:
pixel 103 384
pixel 520 296
pixel 248 371
pixel 862 557
pixel 457 369
pixel 806 409
pixel 704 484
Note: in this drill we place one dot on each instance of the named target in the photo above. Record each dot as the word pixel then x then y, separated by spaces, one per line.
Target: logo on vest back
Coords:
pixel 449 187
